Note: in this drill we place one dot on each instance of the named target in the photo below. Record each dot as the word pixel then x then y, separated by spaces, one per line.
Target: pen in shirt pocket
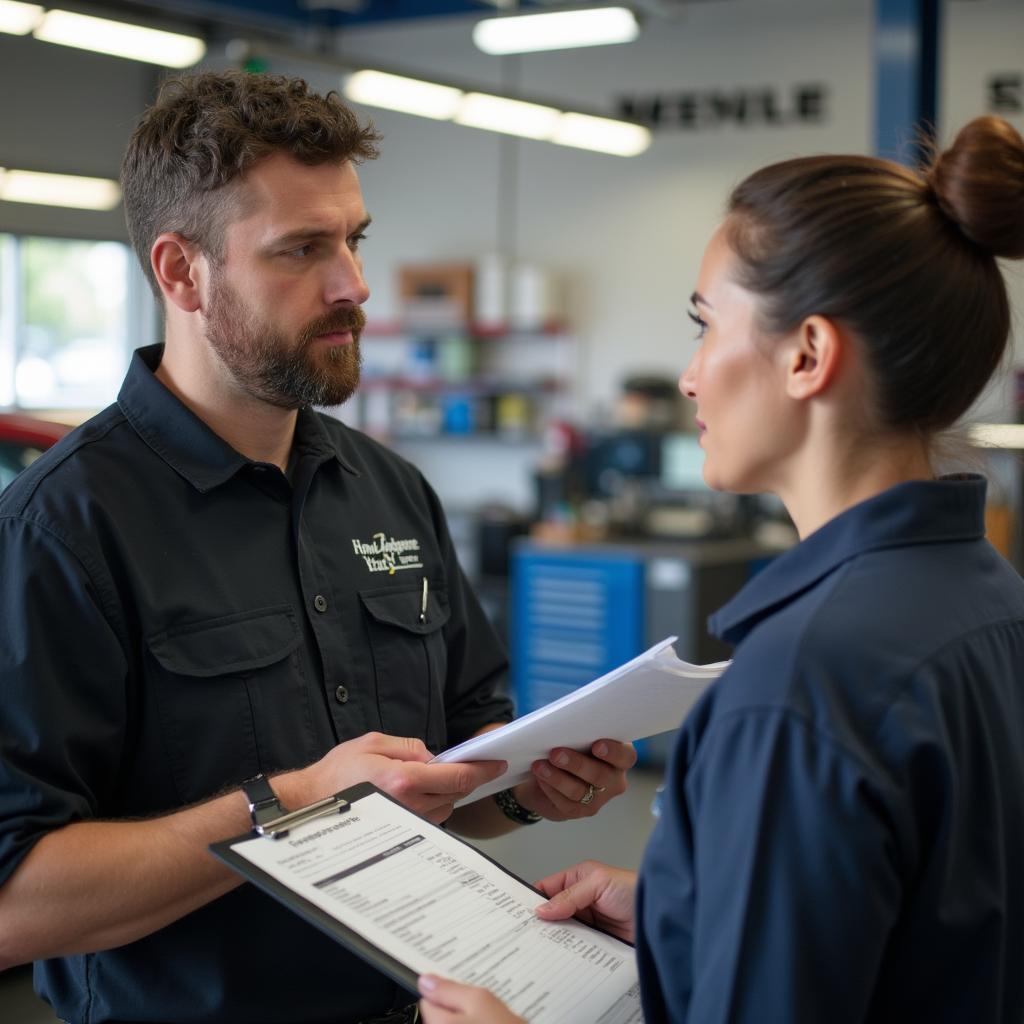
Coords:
pixel 423 603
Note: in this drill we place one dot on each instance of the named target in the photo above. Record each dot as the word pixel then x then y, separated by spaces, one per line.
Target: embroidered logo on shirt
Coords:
pixel 386 554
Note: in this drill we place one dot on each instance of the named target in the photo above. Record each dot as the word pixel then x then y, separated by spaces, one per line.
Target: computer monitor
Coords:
pixel 682 463
pixel 619 455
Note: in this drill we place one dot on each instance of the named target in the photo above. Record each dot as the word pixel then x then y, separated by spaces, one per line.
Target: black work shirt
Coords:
pixel 842 837
pixel 176 618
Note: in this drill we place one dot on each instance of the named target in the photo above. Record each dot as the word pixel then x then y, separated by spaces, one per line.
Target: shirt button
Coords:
pixel 341 695
pixel 320 603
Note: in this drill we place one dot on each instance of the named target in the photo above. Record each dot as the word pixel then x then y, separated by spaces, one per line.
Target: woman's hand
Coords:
pixel 570 785
pixel 596 893
pixel 449 1002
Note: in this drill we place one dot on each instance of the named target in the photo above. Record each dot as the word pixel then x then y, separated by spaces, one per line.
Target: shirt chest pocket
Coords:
pixel 231 699
pixel 410 660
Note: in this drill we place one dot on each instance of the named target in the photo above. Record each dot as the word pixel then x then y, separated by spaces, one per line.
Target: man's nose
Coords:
pixel 345 281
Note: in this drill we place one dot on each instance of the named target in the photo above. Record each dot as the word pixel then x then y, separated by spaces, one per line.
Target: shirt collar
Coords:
pixel 312 437
pixel 185 442
pixel 917 512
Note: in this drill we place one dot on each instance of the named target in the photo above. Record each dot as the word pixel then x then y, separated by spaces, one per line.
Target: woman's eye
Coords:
pixel 702 325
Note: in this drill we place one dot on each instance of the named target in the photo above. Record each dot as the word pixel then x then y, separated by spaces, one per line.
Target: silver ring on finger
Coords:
pixel 589 795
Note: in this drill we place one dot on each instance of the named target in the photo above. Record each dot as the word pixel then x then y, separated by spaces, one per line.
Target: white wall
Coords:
pixel 624 235
pixel 627 234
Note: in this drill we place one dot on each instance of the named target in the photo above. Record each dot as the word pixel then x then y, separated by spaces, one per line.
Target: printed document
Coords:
pixel 435 904
pixel 645 696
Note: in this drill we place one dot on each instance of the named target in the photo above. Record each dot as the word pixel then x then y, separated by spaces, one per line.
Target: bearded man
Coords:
pixel 215 598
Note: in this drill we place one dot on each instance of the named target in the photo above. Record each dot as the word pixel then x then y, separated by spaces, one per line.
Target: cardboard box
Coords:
pixel 436 295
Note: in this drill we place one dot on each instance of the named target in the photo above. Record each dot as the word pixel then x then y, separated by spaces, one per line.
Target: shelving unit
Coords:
pixel 465 383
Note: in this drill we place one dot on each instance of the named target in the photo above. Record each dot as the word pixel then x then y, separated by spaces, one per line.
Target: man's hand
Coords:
pixel 398 766
pixel 449 1002
pixel 561 785
pixel 597 894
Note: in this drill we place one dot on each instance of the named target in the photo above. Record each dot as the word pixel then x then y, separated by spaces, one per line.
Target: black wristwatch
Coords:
pixel 264 806
pixel 513 809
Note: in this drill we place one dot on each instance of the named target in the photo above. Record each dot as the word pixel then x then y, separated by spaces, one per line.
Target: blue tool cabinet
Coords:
pixel 574 617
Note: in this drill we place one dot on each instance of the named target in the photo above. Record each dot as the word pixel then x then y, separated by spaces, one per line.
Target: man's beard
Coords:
pixel 275 369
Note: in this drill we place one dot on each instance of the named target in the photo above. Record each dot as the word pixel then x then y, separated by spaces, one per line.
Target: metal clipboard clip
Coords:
pixel 278 828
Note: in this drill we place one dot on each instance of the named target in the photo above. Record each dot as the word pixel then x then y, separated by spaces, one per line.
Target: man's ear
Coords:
pixel 175 262
pixel 813 357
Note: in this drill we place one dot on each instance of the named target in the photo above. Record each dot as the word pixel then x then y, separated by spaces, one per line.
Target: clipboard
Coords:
pixel 344 803
pixel 340 803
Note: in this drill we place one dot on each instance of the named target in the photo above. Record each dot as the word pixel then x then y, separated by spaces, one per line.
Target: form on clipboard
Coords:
pixel 410 898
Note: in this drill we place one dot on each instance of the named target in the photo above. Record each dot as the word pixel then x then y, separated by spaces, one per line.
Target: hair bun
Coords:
pixel 979 184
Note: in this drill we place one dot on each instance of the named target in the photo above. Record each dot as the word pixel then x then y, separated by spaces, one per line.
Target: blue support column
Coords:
pixel 906 76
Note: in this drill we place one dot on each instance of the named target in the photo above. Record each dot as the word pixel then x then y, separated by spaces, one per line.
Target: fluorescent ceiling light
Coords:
pixel 59 190
pixel 495 113
pixel 120 39
pixel 997 435
pixel 556 30
pixel 18 19
pixel 619 138
pixel 409 95
pixel 513 117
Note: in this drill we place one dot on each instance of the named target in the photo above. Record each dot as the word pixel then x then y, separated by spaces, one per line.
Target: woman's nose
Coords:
pixel 688 380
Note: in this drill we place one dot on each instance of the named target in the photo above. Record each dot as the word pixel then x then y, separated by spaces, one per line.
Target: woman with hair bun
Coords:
pixel 842 834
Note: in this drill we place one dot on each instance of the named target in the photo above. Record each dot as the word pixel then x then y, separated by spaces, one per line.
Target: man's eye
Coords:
pixel 300 251
pixel 353 242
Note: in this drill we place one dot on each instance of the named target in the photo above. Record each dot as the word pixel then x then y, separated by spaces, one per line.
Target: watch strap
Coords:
pixel 514 810
pixel 264 806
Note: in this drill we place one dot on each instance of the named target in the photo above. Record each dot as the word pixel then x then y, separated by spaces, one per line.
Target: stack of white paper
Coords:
pixel 650 694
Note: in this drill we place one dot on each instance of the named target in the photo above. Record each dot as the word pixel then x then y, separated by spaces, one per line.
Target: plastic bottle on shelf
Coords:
pixel 490 310
pixel 533 299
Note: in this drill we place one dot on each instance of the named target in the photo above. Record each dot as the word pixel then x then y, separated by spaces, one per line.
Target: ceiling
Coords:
pixel 289 16
pixel 336 13
pixel 293 17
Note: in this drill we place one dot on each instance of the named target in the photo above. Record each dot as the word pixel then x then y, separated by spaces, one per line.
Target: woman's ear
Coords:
pixel 813 357
pixel 175 260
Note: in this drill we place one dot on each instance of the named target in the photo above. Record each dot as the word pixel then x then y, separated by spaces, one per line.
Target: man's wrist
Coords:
pixel 514 810
pixel 298 788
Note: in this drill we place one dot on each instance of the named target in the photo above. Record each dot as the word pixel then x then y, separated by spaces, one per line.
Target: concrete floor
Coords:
pixel 617 836
pixel 18 1003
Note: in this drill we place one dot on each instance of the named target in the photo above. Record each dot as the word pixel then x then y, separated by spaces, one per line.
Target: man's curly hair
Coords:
pixel 202 135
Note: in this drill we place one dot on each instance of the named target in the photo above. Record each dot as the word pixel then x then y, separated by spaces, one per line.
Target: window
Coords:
pixel 14 457
pixel 71 311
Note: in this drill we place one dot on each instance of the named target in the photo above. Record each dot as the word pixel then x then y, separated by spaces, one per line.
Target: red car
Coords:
pixel 22 440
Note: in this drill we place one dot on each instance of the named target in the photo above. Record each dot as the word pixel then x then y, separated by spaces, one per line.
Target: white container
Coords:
pixel 533 304
pixel 490 308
